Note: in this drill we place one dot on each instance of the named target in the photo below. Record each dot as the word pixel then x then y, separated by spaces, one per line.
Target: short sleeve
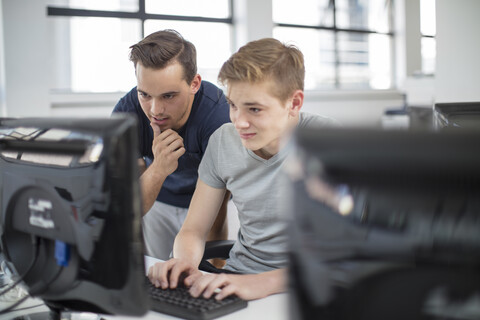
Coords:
pixel 209 170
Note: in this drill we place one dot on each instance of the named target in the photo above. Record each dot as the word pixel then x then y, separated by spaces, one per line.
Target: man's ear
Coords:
pixel 195 84
pixel 297 103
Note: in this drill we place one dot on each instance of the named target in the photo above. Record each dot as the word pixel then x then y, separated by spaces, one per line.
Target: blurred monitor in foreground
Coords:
pixel 457 115
pixel 70 212
pixel 386 225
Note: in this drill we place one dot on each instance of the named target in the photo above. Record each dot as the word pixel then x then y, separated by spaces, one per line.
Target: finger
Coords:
pixel 150 275
pixel 189 280
pixel 226 291
pixel 175 145
pixel 153 274
pixel 156 129
pixel 219 282
pixel 172 137
pixel 169 139
pixel 198 287
pixel 168 133
pixel 179 152
pixel 163 273
pixel 175 274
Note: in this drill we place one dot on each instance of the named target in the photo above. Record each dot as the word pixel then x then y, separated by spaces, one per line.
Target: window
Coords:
pixel 92 38
pixel 347 43
pixel 428 31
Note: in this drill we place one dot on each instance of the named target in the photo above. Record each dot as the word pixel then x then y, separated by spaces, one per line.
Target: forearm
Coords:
pixel 189 246
pixel 190 241
pixel 151 182
pixel 272 282
pixel 246 286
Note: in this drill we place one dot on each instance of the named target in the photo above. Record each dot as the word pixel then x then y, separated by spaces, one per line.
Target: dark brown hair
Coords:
pixel 161 48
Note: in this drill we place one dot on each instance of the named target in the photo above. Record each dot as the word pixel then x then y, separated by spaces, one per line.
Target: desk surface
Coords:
pixel 272 307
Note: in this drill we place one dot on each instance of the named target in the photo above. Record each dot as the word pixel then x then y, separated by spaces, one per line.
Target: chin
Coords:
pixel 247 145
pixel 252 146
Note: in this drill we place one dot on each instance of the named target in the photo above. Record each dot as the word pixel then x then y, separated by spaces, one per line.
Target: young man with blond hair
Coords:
pixel 264 81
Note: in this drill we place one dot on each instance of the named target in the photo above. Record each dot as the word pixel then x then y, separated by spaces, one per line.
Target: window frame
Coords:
pixel 424 35
pixel 336 30
pixel 141 15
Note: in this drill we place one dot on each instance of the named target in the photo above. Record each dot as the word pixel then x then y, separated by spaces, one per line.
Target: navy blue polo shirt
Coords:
pixel 210 110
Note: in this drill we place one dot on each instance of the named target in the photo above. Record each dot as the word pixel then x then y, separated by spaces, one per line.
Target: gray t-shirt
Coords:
pixel 256 185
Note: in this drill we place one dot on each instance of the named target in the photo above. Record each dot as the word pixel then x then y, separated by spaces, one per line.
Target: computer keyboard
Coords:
pixel 178 302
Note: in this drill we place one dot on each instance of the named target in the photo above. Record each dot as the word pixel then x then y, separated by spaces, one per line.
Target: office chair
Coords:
pixel 215 249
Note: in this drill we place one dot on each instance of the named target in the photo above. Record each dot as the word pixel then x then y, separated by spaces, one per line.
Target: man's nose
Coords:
pixel 157 107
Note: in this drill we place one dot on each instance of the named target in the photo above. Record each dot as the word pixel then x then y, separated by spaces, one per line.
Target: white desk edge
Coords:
pixel 274 307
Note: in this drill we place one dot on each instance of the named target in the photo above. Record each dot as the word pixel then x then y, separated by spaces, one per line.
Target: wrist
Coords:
pixel 155 171
pixel 276 281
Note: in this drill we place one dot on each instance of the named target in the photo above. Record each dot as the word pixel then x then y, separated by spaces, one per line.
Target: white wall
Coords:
pixel 361 108
pixel 27 46
pixel 457 76
pixel 3 102
pixel 253 19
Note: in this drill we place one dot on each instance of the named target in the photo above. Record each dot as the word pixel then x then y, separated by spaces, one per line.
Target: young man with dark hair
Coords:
pixel 177 113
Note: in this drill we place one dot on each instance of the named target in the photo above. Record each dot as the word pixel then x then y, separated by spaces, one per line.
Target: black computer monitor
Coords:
pixel 71 212
pixel 386 224
pixel 456 115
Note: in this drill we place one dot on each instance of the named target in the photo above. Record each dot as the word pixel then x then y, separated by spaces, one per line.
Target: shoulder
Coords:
pixel 128 103
pixel 225 134
pixel 225 146
pixel 316 120
pixel 212 94
pixel 210 109
pixel 225 131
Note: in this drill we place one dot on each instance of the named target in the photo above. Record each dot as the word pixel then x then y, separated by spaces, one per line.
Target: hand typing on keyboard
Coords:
pixel 169 273
pixel 248 287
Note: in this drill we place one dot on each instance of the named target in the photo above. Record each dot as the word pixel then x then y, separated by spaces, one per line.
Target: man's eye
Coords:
pixel 255 110
pixel 168 96
pixel 143 94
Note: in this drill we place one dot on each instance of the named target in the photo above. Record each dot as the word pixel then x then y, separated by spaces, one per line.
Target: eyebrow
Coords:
pixel 162 94
pixel 247 104
pixel 142 91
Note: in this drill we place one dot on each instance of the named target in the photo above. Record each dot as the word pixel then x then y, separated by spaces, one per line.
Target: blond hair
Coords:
pixel 263 60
